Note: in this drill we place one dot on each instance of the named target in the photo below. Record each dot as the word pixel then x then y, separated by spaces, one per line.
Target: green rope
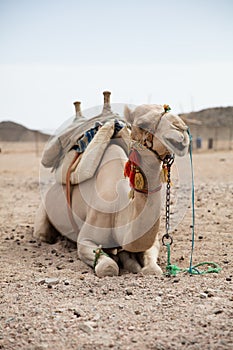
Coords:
pixel 172 270
pixel 215 269
pixel 193 199
pixel 98 252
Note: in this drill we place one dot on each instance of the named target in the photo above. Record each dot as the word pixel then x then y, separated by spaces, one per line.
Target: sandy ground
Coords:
pixel 51 300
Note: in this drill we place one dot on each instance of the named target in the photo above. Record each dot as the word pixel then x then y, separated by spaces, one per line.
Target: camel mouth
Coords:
pixel 172 132
pixel 176 141
pixel 178 148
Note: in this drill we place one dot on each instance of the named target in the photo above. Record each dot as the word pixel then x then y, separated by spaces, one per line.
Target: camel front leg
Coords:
pixel 103 265
pixel 150 256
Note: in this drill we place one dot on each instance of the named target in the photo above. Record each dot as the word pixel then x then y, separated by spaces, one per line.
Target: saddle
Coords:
pixel 83 162
pixel 81 146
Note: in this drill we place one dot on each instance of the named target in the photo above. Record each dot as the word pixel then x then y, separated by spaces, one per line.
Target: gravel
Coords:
pixel 45 308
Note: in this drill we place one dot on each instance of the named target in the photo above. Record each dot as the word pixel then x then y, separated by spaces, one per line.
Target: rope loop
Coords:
pixel 98 252
pixel 167 237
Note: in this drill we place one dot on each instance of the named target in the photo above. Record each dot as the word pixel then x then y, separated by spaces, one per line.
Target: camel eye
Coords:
pixel 174 126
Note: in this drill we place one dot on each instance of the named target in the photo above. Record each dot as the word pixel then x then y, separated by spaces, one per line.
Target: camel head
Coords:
pixel 158 129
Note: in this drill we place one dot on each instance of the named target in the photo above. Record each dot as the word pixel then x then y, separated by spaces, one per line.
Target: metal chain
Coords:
pixel 168 161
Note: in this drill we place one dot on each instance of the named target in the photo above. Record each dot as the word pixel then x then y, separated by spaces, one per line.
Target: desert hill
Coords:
pixel 13 132
pixel 213 117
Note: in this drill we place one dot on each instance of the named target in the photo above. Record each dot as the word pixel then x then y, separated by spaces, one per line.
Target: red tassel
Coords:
pixel 131 165
pixel 134 157
pixel 132 176
pixel 127 168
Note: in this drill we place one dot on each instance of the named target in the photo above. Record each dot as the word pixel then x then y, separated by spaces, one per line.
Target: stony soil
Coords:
pixel 51 300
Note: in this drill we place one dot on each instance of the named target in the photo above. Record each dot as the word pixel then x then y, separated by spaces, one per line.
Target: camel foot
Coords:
pixel 106 267
pixel 152 270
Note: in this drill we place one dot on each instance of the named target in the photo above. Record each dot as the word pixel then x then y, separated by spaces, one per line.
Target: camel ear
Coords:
pixel 128 114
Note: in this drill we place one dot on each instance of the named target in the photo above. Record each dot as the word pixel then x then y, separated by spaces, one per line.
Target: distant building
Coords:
pixel 213 129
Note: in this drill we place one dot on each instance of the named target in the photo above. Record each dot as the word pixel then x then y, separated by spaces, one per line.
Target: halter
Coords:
pixel 134 172
pixel 132 166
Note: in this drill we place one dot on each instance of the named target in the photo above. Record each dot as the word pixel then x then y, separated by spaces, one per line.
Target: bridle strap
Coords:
pixel 157 154
pixel 146 191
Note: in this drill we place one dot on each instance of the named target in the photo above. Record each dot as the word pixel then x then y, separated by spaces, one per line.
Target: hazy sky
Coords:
pixel 53 52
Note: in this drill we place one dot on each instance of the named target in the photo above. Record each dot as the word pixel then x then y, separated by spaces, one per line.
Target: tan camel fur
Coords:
pixel 127 229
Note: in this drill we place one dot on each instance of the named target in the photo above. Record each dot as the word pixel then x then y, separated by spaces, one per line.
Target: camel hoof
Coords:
pixel 152 270
pixel 106 267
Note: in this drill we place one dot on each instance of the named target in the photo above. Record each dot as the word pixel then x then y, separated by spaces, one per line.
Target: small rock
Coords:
pixel 218 312
pixel 228 279
pixel 176 280
pixel 203 295
pixel 52 280
pixel 86 327
pixel 41 281
pixel 77 313
pixel 131 328
pixel 66 282
pixel 129 291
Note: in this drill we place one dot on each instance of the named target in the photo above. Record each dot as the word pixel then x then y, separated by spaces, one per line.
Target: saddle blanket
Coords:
pixel 87 163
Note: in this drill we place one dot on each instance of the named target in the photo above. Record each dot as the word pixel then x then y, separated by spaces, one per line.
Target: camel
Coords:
pixel 110 226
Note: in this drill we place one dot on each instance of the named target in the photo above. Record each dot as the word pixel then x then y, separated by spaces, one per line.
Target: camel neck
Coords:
pixel 151 168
